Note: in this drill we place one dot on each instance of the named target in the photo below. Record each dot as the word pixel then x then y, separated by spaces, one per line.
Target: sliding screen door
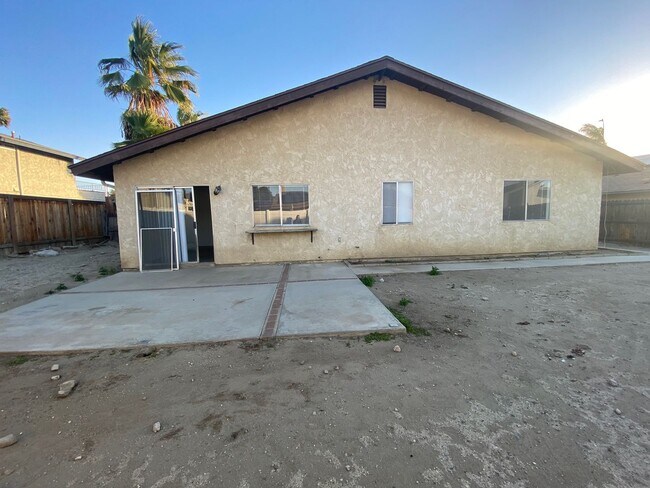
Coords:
pixel 157 228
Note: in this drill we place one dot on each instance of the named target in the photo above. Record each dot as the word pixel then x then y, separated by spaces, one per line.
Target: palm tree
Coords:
pixel 141 126
pixel 5 118
pixel 594 132
pixel 150 78
pixel 186 115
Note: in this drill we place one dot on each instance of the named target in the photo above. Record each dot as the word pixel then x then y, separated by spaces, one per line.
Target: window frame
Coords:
pixel 280 187
pixel 397 182
pixel 527 181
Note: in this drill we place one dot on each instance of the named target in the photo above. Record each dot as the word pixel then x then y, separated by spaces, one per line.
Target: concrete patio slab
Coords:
pixel 394 268
pixel 185 278
pixel 125 318
pixel 195 305
pixel 336 306
pixel 316 272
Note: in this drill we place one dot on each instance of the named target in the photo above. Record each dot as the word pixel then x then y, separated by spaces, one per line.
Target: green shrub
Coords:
pixel 107 271
pixel 408 325
pixel 404 302
pixel 17 361
pixel 377 336
pixel 434 271
pixel 368 280
pixel 78 277
pixel 61 287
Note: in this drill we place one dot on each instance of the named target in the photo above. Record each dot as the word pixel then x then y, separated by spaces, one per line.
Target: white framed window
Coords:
pixel 397 202
pixel 526 199
pixel 280 205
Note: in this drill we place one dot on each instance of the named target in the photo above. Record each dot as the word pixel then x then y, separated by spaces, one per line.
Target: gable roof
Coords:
pixel 37 148
pixel 101 166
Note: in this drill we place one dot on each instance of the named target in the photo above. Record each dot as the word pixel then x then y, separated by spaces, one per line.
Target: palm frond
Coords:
pixel 107 64
pixel 111 79
pixel 5 117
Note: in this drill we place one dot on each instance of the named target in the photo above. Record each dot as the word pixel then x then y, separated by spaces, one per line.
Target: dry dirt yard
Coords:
pixel 26 278
pixel 454 409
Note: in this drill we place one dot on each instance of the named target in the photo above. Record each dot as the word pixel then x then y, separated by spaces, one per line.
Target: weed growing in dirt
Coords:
pixel 368 281
pixel 60 287
pixel 434 271
pixel 408 325
pixel 17 361
pixel 377 336
pixel 106 271
pixel 78 277
pixel 404 302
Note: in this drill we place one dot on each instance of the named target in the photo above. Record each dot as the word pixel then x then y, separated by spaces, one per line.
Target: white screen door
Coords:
pixel 157 229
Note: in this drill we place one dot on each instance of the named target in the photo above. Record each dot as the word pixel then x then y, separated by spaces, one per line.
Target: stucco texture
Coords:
pixel 343 148
pixel 40 175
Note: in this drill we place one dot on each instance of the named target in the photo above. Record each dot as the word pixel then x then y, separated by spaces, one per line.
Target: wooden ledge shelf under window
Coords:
pixel 281 229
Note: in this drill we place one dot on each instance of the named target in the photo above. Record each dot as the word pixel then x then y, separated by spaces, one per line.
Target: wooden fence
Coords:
pixel 27 222
pixel 626 221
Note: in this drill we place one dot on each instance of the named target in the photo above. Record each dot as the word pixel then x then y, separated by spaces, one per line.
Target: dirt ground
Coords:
pixel 27 277
pixel 455 409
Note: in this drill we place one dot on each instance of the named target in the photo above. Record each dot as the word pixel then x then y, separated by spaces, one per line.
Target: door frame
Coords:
pixel 196 234
pixel 156 189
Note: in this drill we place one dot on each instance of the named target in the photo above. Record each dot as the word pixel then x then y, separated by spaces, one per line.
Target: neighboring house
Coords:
pixel 380 161
pixel 30 169
pixel 629 186
pixel 625 213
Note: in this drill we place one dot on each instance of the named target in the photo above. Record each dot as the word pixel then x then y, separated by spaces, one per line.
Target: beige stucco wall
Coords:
pixel 40 175
pixel 344 149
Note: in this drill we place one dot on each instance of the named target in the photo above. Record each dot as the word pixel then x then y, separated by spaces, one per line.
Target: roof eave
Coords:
pixel 613 161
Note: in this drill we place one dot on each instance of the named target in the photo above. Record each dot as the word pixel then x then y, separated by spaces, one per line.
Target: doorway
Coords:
pixel 174 227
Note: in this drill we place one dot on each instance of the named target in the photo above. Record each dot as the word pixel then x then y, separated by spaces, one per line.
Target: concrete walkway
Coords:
pixel 393 268
pixel 197 305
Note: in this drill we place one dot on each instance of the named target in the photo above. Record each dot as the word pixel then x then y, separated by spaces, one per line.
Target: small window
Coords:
pixel 397 202
pixel 379 96
pixel 281 205
pixel 526 200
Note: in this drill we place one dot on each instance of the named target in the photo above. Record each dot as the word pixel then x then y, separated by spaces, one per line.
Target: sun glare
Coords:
pixel 625 108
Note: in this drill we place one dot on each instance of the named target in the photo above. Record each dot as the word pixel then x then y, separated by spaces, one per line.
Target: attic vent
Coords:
pixel 379 96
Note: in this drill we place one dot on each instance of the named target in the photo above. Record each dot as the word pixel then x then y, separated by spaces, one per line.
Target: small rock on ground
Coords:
pixel 397 349
pixel 617 411
pixel 66 388
pixel 156 427
pixel 55 377
pixel 55 367
pixel 8 440
pixel 612 382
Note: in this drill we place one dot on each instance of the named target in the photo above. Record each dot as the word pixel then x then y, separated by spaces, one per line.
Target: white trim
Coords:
pixel 280 186
pixel 526 181
pixel 162 189
pixel 397 202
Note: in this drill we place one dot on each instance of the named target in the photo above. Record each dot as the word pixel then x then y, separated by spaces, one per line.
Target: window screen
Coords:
pixel 397 202
pixel 526 200
pixel 281 204
pixel 514 200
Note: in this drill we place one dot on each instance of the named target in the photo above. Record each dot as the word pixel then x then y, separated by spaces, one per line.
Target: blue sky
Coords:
pixel 561 59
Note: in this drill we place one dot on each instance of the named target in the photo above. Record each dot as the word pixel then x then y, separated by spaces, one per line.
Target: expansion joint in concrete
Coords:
pixel 272 321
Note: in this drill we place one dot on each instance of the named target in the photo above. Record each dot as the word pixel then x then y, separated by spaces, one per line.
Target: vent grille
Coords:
pixel 379 96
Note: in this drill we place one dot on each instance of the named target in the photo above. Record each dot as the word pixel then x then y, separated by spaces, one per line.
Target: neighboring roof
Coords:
pixel 645 159
pixel 101 166
pixel 631 182
pixel 32 146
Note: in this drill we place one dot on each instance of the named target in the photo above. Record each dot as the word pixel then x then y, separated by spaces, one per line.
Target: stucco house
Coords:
pixel 31 169
pixel 380 161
